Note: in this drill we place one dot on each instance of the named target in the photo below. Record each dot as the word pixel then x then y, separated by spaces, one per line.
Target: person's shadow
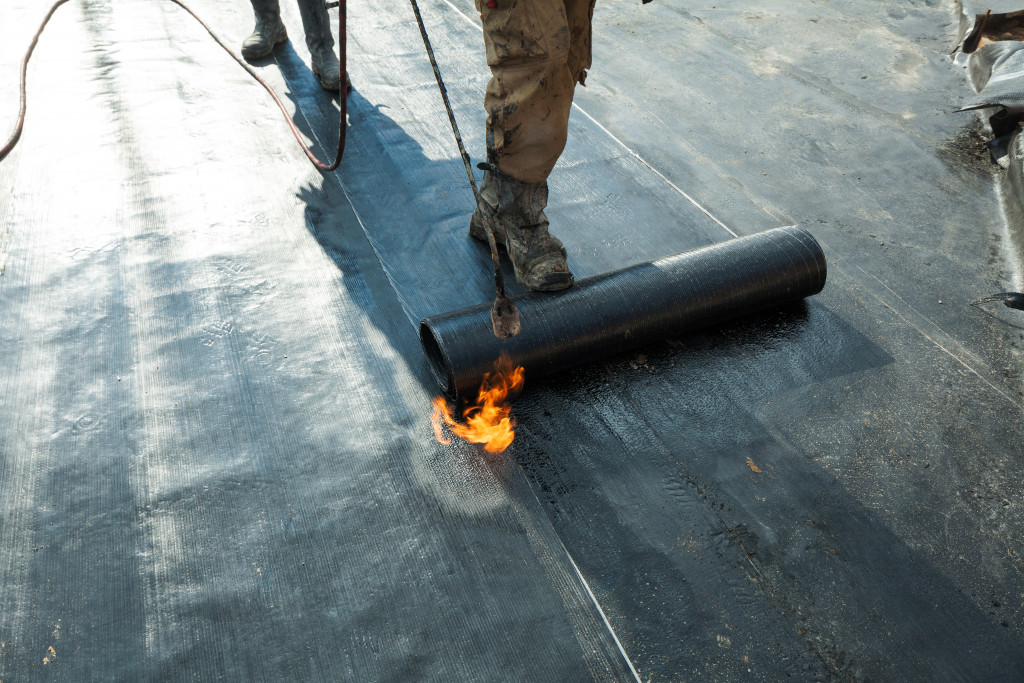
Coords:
pixel 374 143
pixel 303 86
pixel 379 157
pixel 383 254
pixel 377 176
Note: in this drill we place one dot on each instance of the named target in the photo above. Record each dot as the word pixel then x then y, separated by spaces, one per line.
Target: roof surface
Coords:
pixel 216 459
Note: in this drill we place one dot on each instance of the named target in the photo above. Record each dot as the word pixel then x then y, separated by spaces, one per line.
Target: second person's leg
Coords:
pixel 317 25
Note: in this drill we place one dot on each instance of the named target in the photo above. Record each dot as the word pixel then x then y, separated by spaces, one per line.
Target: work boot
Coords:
pixel 327 69
pixel 268 33
pixel 517 216
pixel 320 42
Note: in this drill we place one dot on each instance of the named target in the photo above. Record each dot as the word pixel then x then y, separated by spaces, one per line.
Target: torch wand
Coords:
pixel 504 315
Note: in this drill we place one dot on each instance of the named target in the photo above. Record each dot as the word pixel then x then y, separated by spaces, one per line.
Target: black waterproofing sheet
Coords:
pixel 629 308
pixel 216 460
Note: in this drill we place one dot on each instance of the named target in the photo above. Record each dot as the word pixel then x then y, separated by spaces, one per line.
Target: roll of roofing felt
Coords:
pixel 614 312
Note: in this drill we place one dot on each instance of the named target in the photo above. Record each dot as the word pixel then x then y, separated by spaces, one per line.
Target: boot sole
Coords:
pixel 333 87
pixel 552 282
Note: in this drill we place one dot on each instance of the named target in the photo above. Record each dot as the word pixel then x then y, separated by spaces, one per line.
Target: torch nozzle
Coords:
pixel 505 317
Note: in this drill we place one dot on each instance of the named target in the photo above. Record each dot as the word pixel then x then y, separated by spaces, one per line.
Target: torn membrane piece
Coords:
pixel 997 73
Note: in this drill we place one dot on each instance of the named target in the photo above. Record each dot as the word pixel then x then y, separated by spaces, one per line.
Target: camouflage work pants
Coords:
pixel 538 50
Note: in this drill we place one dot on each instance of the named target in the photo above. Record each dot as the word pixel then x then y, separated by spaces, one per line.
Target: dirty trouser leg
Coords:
pixel 537 50
pixel 317 25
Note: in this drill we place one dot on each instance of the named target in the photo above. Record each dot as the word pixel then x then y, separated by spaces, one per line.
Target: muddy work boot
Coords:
pixel 327 69
pixel 269 31
pixel 520 226
pixel 317 24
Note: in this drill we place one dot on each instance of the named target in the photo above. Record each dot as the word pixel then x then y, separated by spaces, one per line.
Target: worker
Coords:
pixel 538 50
pixel 270 32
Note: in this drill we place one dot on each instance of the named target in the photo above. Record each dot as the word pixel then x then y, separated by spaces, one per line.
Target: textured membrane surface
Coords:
pixel 215 452
pixel 629 308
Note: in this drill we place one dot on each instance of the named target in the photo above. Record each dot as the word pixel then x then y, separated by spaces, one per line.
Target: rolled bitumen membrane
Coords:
pixel 614 312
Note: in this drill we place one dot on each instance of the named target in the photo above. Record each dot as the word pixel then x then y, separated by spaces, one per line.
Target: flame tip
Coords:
pixel 489 421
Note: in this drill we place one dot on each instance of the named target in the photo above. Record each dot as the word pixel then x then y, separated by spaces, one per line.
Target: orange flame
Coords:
pixel 489 421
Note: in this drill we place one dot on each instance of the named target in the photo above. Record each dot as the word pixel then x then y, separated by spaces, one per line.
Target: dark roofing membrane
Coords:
pixel 215 453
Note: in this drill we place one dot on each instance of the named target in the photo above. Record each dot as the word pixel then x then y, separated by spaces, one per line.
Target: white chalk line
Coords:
pixel 604 617
pixel 932 339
